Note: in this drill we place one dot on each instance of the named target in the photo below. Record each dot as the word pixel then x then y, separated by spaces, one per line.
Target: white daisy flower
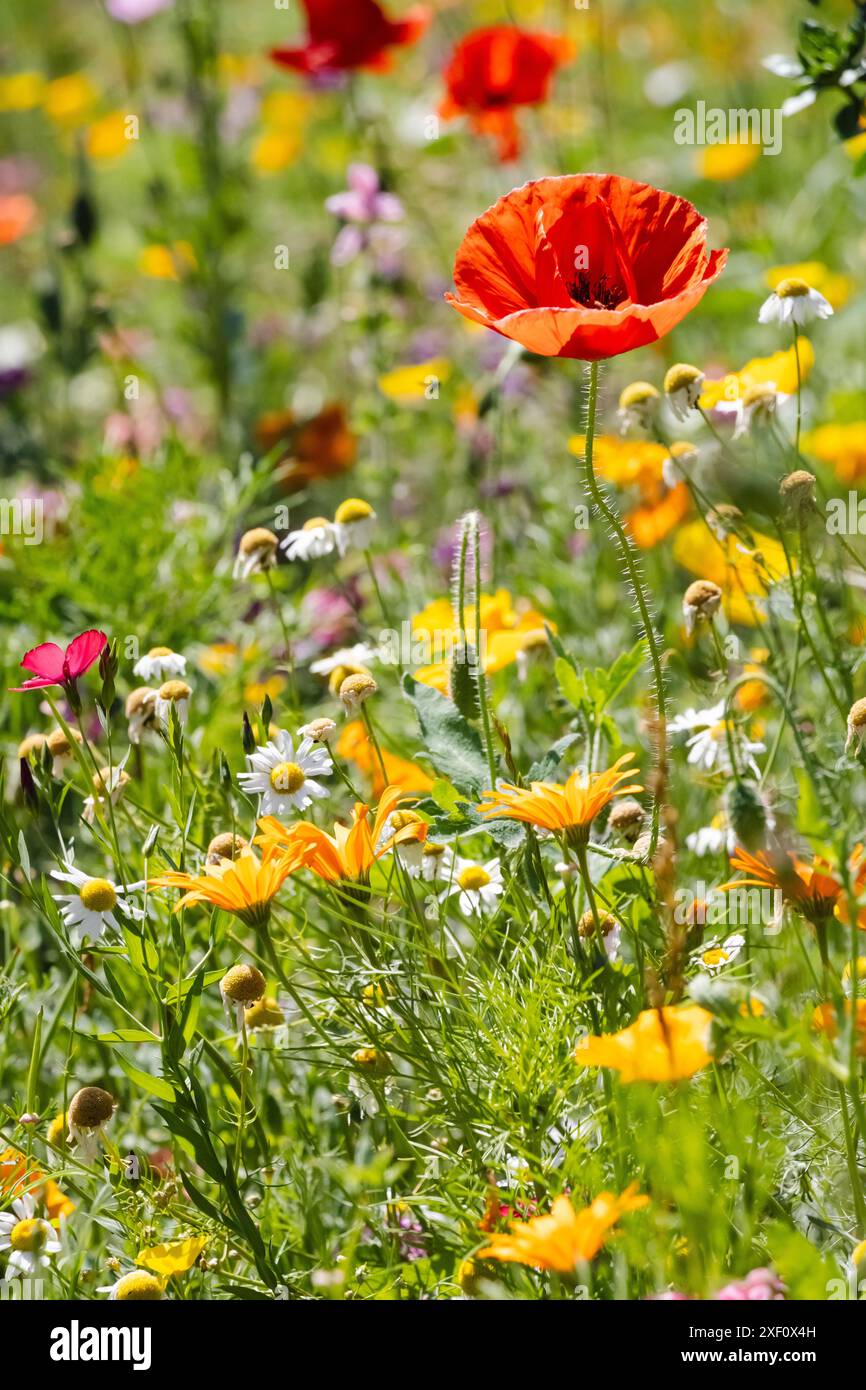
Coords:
pixel 477 885
pixel 359 655
pixel 757 403
pixel 354 525
pixel 30 1239
pixel 285 777
pixel 319 730
pixel 140 711
pixel 715 957
pixel 793 301
pixel 257 552
pixel 712 839
pixel 159 665
pixel 138 1286
pixel 638 403
pixel 683 386
pixel 437 862
pixel 708 745
pixel 105 785
pixel 94 905
pixel 176 693
pixel 316 538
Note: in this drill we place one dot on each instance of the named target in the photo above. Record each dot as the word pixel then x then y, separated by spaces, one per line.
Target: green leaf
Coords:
pixel 126 1035
pixel 570 683
pixel 800 1266
pixel 453 745
pixel 154 1085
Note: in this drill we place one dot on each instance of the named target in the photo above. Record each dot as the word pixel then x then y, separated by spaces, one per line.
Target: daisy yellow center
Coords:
pixel 315 523
pixel 792 288
pixel 287 777
pixel 473 878
pixel 353 509
pixel 98 895
pixel 29 1235
pixel 160 651
pixel 138 1287
pixel 715 956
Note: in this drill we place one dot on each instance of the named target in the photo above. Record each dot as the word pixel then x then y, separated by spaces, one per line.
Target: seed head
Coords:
pixel 90 1107
pixel 243 984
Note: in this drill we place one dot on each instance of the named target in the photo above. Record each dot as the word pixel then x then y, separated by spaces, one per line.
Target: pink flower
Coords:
pixel 759 1285
pixel 51 666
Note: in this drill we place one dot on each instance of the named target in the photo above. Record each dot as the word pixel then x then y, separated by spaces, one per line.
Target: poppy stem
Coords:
pixel 635 583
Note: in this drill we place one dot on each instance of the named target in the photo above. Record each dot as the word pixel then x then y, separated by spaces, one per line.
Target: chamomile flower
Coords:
pixel 94 905
pixel 159 665
pixel 715 838
pixel 140 711
pixel 638 404
pixel 437 862
pixel 611 932
pixel 240 987
pixel 89 1111
pixel 477 885
pixel 316 538
pixel 370 1064
pixel 683 386
pixel 793 301
pixel 319 730
pixel 708 745
pixel 284 776
pixel 176 694
pixel 136 1287
pixel 354 524
pixel 29 1239
pixel 61 750
pixel 757 405
pixel 107 785
pixel 257 552
pixel 680 458
pixel 715 957
pixel 357 656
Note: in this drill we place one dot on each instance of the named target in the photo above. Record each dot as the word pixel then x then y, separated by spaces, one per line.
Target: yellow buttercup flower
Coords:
pixel 779 371
pixel 21 91
pixel 565 1238
pixel 175 1257
pixel 108 138
pixel 413 383
pixel 723 163
pixel 69 100
pixel 666 1044
pixel 167 262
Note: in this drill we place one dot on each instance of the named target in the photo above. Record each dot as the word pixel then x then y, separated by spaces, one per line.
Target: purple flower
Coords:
pixel 134 11
pixel 363 208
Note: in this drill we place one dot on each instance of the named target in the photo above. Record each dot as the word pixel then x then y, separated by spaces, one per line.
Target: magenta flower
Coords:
pixel 51 666
pixel 135 11
pixel 759 1285
pixel 362 207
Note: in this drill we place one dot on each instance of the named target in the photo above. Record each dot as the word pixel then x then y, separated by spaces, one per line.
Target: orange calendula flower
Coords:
pixel 570 808
pixel 842 445
pixel 809 888
pixel 651 522
pixel 18 1176
pixel 566 1238
pixel 354 745
pixel 666 1044
pixel 625 462
pixel 350 853
pixel 244 886
pixel 825 1020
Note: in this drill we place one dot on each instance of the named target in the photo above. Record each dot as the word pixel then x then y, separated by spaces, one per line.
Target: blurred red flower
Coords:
pixel 584 265
pixel 345 34
pixel 493 70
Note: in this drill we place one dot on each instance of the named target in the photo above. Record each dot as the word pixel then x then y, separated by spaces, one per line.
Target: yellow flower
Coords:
pixel 507 630
pixel 107 137
pixel 175 1257
pixel 722 163
pixel 664 1044
pixel 779 370
pixel 69 100
pixel 625 462
pixel 744 575
pixel 255 692
pixel 842 445
pixel 566 1238
pixel 407 384
pixel 835 288
pixel 570 807
pixel 275 150
pixel 21 91
pixel 167 262
pixel 244 886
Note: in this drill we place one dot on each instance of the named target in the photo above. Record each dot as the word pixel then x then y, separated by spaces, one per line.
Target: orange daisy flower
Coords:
pixel 348 854
pixel 18 1176
pixel 570 808
pixel 565 1238
pixel 665 1044
pixel 825 1020
pixel 244 886
pixel 806 887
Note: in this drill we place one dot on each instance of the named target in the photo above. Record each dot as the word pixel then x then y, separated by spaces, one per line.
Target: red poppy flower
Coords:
pixel 55 667
pixel 493 70
pixel 344 34
pixel 586 265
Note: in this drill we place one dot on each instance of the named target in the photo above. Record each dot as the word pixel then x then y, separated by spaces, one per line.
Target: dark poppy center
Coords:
pixel 600 293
